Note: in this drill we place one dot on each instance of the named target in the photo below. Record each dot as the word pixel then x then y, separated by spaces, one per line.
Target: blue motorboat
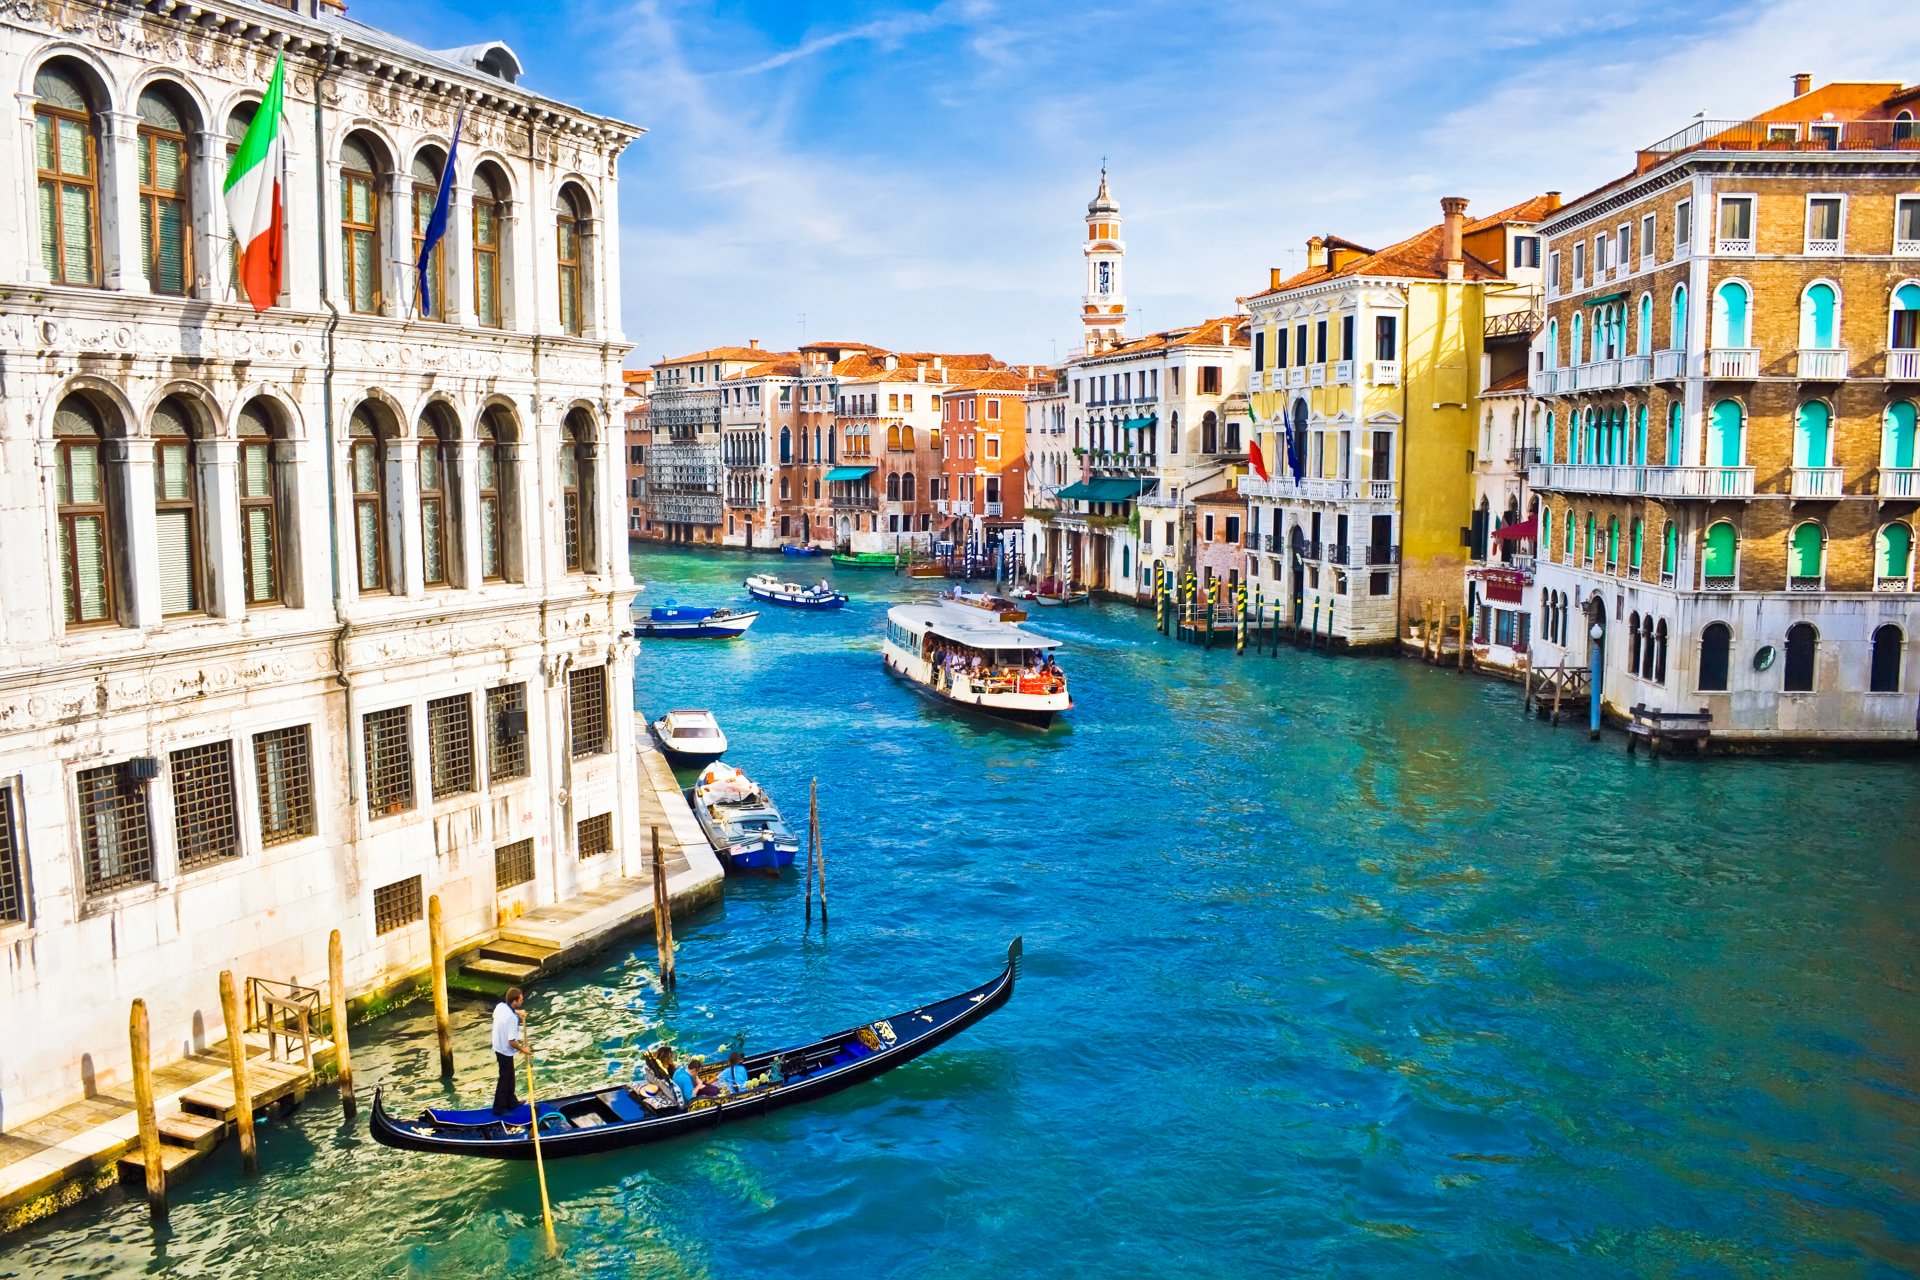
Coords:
pixel 684 622
pixel 741 822
pixel 794 549
pixel 767 587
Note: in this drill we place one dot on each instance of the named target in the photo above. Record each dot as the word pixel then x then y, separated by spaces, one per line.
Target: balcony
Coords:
pixel 1821 364
pixel 1317 376
pixel 1816 482
pixel 1636 371
pixel 1669 365
pixel 1379 555
pixel 1903 366
pixel 1734 362
pixel 1823 248
pixel 1343 372
pixel 1660 482
pixel 1600 375
pixel 1893 584
pixel 1717 582
pixel 1386 373
pixel 1338 552
pixel 994 509
pixel 1805 585
pixel 1740 246
pixel 1900 482
pixel 856 502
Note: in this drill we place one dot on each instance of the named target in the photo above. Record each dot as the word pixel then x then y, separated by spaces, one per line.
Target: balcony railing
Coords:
pixel 1666 577
pixel 1524 457
pixel 1514 324
pixel 1661 482
pixel 1734 362
pixel 994 508
pixel 1821 364
pixel 1900 482
pixel 1814 583
pixel 1669 365
pixel 1599 375
pixel 1379 555
pixel 1386 373
pixel 1816 482
pixel 1734 245
pixel 861 502
pixel 1718 582
pixel 1317 489
pixel 1338 553
pixel 1823 247
pixel 1893 584
pixel 1906 248
pixel 1343 372
pixel 1636 371
pixel 1903 366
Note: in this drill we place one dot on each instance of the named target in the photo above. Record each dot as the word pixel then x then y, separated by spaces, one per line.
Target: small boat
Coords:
pixel 683 622
pixel 927 569
pixel 617 1115
pixel 999 606
pixel 795 549
pixel 935 648
pixel 690 738
pixel 865 559
pixel 741 824
pixel 765 586
pixel 1053 592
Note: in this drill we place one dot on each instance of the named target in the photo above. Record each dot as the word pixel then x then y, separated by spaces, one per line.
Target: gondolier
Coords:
pixel 507 1041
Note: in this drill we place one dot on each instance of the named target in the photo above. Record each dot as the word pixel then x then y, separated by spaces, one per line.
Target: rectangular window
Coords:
pixel 1906 226
pixel 205 825
pixel 1579 263
pixel 389 760
pixel 1824 218
pixel 397 905
pixel 594 836
pixel 1553 271
pixel 1526 251
pixel 1299 345
pixel 1601 257
pixel 1736 224
pixel 587 710
pixel 1386 337
pixel 993 410
pixel 283 765
pixel 450 742
pixel 360 239
pixel 1346 337
pixel 116 843
pixel 1209 379
pixel 1646 238
pixel 1320 342
pixel 1233 529
pixel 993 446
pixel 13 895
pixel 1259 350
pixel 513 864
pixel 1682 228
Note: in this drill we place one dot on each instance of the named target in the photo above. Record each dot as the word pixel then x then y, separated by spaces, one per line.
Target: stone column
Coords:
pixel 137 561
pixel 21 255
pixel 397 283
pixel 465 485
pixel 121 266
pixel 456 252
pixel 220 536
pixel 409 570
pixel 211 279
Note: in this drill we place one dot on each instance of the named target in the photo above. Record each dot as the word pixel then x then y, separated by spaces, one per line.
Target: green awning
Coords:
pixel 1605 297
pixel 1104 490
pixel 849 473
pixel 1137 424
pixel 1079 491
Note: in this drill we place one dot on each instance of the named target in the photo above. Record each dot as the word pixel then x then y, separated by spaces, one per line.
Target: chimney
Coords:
pixel 1226 334
pixel 919 371
pixel 1316 252
pixel 1273 277
pixel 892 362
pixel 1453 218
pixel 1553 201
pixel 1802 83
pixel 753 344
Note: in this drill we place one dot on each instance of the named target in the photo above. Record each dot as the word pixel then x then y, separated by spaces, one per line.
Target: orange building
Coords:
pixel 981 492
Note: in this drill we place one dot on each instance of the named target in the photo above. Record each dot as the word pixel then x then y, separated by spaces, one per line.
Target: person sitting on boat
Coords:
pixel 734 1078
pixel 687 1080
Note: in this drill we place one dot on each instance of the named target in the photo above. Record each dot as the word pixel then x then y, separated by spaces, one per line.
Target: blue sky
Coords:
pixel 916 175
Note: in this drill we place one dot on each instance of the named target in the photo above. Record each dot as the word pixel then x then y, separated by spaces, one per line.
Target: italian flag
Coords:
pixel 256 207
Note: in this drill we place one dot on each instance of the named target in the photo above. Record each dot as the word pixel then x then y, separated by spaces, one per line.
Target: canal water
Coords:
pixel 1332 967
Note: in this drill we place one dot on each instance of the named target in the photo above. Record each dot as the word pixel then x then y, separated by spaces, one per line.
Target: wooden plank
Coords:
pixel 187 1130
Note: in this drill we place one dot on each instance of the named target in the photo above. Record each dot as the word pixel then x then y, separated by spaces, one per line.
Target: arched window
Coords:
pixel 1812 435
pixel 368 449
pixel 439 515
pixel 893 486
pixel 1726 431
pixel 1633 643
pixel 578 499
pixel 428 165
pixel 1546 441
pixel 1634 545
pixel 89 524
pixel 1893 557
pixel 1820 317
pixel 1567 551
pixel 906 487
pixel 66 136
pixel 1209 433
pixel 1720 566
pixel 1677 319
pixel 499 519
pixel 1716 648
pixel 1883 668
pixel 785 489
pixel 1553 344
pixel 1660 653
pixel 1903 127
pixel 166 216
pixel 1643 340
pixel 906 437
pixel 489 239
pixel 1640 437
pixel 176 501
pixel 571 247
pixel 1732 319
pixel 1574 354
pixel 1803 639
pixel 1806 556
pixel 1904 327
pixel 1676 423
pixel 1613 543
pixel 1546 530
pixel 1590 537
pixel 893 437
pixel 238 122
pixel 1126 562
pixel 786 444
pixel 1669 550
pixel 262 543
pixel 360 250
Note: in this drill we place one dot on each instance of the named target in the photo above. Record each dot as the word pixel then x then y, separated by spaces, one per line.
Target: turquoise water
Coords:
pixel 1333 967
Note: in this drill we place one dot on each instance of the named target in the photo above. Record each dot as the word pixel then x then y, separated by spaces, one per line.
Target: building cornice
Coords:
pixel 1628 191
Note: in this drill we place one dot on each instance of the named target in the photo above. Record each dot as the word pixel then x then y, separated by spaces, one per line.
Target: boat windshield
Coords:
pixel 693 731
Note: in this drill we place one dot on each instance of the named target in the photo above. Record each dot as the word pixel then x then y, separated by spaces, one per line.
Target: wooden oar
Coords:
pixel 533 1123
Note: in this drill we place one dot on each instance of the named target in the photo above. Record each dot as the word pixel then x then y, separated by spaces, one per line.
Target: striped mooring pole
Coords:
pixel 1240 632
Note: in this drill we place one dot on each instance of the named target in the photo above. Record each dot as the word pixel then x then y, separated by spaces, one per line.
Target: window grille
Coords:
pixel 450 737
pixel 13 902
pixel 587 708
pixel 396 905
pixel 513 864
pixel 594 835
pixel 389 761
pixel 283 763
pixel 507 732
pixel 115 840
pixel 204 823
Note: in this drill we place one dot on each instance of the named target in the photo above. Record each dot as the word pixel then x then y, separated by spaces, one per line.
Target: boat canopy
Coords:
pixel 966 625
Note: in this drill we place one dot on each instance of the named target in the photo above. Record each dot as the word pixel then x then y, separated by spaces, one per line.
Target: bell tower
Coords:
pixel 1103 307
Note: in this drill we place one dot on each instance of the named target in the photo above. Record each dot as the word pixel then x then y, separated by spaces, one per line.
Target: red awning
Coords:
pixel 1528 528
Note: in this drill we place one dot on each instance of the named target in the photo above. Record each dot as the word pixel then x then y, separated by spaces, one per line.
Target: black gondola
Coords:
pixel 611 1117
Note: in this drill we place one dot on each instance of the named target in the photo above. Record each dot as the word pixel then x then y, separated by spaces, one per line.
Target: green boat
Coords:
pixel 866 559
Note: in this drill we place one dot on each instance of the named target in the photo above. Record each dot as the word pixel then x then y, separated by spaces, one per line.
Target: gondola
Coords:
pixel 610 1117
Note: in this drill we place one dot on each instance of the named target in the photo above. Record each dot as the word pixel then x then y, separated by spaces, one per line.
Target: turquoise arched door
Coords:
pixel 1676 423
pixel 1677 334
pixel 1644 339
pixel 1723 435
pixel 1812 435
pixel 1730 320
pixel 1898 449
pixel 1819 314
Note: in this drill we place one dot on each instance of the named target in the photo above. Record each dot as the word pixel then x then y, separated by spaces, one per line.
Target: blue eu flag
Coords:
pixel 437 224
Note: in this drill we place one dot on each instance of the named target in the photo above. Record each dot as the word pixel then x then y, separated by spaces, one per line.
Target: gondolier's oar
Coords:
pixel 533 1124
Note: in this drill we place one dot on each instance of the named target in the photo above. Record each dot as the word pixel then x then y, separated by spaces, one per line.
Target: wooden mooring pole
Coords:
pixel 662 916
pixel 442 1024
pixel 337 994
pixel 141 1040
pixel 813 833
pixel 237 1064
pixel 821 861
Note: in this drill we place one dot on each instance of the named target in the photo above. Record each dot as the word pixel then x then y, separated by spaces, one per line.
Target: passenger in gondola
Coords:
pixel 734 1078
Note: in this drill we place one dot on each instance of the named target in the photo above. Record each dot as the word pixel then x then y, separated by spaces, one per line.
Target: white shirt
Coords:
pixel 506 1028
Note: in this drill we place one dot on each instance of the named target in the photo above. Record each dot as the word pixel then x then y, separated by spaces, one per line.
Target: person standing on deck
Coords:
pixel 507 1042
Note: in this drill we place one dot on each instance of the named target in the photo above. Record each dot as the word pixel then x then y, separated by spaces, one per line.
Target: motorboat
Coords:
pixel 690 738
pixel 796 549
pixel 966 657
pixel 866 559
pixel 768 587
pixel 741 822
pixel 612 1116
pixel 684 622
pixel 999 606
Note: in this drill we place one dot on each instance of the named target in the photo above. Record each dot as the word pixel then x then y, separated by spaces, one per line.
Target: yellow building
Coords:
pixel 1367 371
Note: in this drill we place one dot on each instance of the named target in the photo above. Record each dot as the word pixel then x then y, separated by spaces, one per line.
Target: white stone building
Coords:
pixel 315 613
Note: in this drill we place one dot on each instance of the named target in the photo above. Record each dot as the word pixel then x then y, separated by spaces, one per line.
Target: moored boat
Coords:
pixel 767 587
pixel 795 549
pixel 999 606
pixel 926 569
pixel 689 737
pixel 865 559
pixel 613 1116
pixel 683 622
pixel 967 657
pixel 741 822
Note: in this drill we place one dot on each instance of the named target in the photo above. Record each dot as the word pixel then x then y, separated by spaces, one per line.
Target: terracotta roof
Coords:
pixel 1531 209
pixel 788 366
pixel 1222 498
pixel 988 380
pixel 1515 381
pixel 1204 334
pixel 1418 257
pixel 631 376
pixel 755 354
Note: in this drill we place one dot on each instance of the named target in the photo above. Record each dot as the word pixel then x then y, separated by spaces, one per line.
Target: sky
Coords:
pixel 916 175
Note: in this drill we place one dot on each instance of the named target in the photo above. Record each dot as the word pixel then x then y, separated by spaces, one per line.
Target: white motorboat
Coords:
pixel 690 737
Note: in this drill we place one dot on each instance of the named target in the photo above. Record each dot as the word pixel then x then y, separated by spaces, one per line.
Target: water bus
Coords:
pixel 968 657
